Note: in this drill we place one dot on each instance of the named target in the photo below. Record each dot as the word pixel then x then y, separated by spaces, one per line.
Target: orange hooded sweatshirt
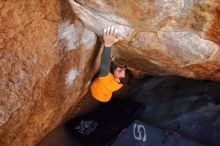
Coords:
pixel 103 86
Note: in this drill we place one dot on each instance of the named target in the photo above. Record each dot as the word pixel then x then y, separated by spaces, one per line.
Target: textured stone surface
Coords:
pixel 161 36
pixel 47 59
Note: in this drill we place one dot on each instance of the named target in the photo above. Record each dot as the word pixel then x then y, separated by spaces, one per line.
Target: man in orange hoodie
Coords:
pixel 110 76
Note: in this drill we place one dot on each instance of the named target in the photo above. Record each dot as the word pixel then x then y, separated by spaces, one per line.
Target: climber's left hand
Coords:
pixel 110 36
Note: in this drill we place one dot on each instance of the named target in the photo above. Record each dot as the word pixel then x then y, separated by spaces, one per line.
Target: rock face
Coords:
pixel 162 37
pixel 48 56
pixel 47 60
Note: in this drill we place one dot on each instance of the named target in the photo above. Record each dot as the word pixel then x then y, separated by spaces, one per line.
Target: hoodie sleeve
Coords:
pixel 105 61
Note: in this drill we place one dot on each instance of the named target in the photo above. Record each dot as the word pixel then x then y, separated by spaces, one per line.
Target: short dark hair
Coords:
pixel 128 77
pixel 128 74
pixel 114 66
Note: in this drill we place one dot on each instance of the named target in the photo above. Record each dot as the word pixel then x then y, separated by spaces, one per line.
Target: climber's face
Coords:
pixel 119 72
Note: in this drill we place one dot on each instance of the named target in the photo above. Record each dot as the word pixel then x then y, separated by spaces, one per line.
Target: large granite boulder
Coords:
pixel 49 53
pixel 162 37
pixel 47 61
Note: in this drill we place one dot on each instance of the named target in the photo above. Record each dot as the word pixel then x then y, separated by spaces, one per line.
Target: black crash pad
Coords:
pixel 103 124
pixel 142 134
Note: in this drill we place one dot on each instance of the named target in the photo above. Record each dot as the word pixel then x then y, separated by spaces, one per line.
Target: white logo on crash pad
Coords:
pixel 139 132
pixel 85 127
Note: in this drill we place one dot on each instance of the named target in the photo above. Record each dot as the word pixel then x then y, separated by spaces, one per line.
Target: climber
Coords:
pixel 111 76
